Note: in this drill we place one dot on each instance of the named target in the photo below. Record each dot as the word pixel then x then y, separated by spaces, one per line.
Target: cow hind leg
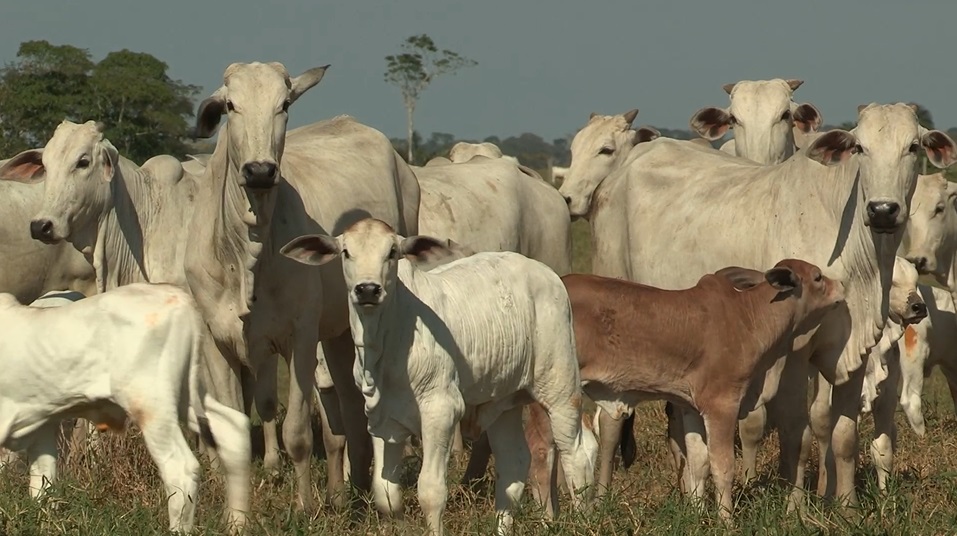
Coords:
pixel 512 459
pixel 267 405
pixel 676 443
pixel 885 429
pixel 478 461
pixel 542 477
pixel 751 431
pixel 609 436
pixel 177 466
pixel 335 446
pixel 230 429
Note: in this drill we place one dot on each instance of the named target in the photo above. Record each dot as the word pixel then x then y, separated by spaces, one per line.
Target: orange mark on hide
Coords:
pixel 151 320
pixel 108 423
pixel 577 402
pixel 139 414
pixel 172 300
pixel 910 340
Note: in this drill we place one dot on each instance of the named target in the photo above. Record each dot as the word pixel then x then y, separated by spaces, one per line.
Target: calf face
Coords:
pixel 931 236
pixel 906 305
pixel 370 251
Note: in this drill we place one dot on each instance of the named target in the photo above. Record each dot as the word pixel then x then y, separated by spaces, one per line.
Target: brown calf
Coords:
pixel 698 347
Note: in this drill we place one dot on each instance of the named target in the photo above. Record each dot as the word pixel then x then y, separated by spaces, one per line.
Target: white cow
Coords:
pixel 476 338
pixel 767 123
pixel 464 151
pixel 843 216
pixel 261 188
pixel 135 352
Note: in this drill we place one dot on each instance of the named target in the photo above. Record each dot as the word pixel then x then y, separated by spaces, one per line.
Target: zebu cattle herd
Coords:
pixel 724 282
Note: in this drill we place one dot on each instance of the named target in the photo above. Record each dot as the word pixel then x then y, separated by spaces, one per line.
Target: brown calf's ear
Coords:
pixel 315 250
pixel 833 147
pixel 646 134
pixel 25 167
pixel 807 118
pixel 741 278
pixel 711 123
pixel 940 148
pixel 782 278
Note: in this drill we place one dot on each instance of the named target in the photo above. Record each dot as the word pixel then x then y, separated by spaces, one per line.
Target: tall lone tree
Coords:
pixel 414 69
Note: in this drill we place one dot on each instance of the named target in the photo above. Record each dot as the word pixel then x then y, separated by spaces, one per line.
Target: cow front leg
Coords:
pixel 820 420
pixel 42 456
pixel 676 443
pixel 788 410
pixel 340 358
pixel 719 421
pixel 845 408
pixel 885 429
pixel 438 424
pixel 543 472
pixel 386 474
pixel 511 462
pixel 222 377
pixel 297 428
pixel 609 436
pixel 478 461
pixel 267 405
pixel 751 431
pixel 334 443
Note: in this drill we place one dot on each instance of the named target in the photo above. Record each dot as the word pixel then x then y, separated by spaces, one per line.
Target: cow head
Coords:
pixel 256 98
pixel 930 240
pixel 370 251
pixel 886 143
pixel 906 304
pixel 816 294
pixel 77 165
pixel 764 119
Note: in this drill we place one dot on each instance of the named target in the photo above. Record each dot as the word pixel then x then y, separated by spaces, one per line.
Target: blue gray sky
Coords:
pixel 543 66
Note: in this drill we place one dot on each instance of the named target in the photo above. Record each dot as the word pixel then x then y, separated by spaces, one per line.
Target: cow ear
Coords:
pixel 711 123
pixel 807 118
pixel 210 112
pixel 110 157
pixel 741 278
pixel 782 278
pixel 312 249
pixel 25 167
pixel 645 134
pixel 940 148
pixel 423 248
pixel 833 147
pixel 728 88
pixel 630 116
pixel 794 83
pixel 306 81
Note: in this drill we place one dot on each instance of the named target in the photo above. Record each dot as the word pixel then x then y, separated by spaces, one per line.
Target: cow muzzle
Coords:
pixel 42 230
pixel 260 175
pixel 883 216
pixel 916 310
pixel 368 294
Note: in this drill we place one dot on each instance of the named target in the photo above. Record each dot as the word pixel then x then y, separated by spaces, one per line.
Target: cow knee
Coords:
pixel 844 438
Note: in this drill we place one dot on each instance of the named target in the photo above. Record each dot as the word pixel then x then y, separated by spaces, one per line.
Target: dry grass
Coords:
pixel 123 494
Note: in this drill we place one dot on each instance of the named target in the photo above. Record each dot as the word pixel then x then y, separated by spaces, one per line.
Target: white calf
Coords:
pixel 476 338
pixel 133 351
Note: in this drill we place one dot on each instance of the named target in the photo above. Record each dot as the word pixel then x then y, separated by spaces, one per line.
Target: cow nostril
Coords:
pixel 918 309
pixel 41 229
pixel 568 200
pixel 920 263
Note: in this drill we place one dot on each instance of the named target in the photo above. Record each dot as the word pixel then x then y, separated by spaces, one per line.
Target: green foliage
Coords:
pixel 145 111
pixel 412 70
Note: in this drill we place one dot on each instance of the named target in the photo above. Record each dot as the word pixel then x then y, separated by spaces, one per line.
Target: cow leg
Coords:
pixel 751 431
pixel 885 429
pixel 788 410
pixel 577 446
pixel 42 456
pixel 222 376
pixel 340 357
pixel 950 373
pixel 512 459
pixel 177 466
pixel 697 467
pixel 438 423
pixel 820 419
pixel 297 428
pixel 386 474
pixel 267 405
pixel 719 423
pixel 846 407
pixel 542 475
pixel 230 429
pixel 912 363
pixel 478 461
pixel 676 443
pixel 609 435
pixel 458 445
pixel 335 446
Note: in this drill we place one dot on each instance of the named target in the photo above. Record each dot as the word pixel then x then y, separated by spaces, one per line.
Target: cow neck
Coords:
pixel 769 319
pixel 866 258
pixel 120 253
pixel 242 223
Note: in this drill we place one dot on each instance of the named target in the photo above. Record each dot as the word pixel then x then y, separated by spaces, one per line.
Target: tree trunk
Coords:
pixel 409 110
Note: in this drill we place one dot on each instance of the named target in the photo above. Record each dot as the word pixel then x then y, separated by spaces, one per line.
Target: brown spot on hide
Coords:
pixel 139 414
pixel 910 340
pixel 151 319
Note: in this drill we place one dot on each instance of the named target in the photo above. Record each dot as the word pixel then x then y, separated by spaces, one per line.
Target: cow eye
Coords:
pixel 286 104
pixel 786 115
pixel 733 120
pixel 939 209
pixel 345 253
pixel 230 107
pixel 858 149
pixel 606 150
pixel 914 147
pixel 393 253
pixel 818 277
pixel 83 162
